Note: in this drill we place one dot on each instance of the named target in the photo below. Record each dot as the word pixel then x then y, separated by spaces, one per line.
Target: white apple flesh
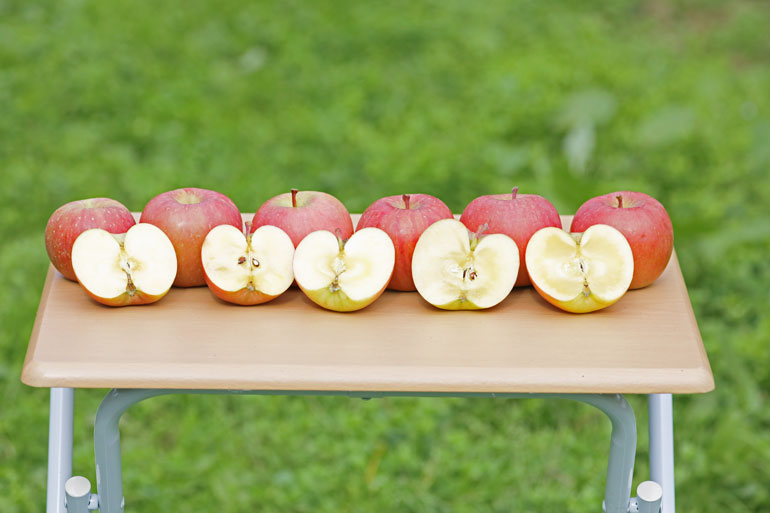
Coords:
pixel 247 269
pixel 344 276
pixel 134 268
pixel 455 269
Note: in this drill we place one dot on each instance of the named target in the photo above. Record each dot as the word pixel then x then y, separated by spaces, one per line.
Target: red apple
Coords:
pixel 643 221
pixel 516 215
pixel 404 218
pixel 186 216
pixel 75 217
pixel 299 213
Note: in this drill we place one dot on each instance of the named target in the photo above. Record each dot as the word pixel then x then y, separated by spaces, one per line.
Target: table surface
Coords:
pixel 648 342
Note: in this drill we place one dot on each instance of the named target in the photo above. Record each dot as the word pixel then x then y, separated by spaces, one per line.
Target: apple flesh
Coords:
pixel 404 218
pixel 642 220
pixel 300 213
pixel 134 268
pixel 344 276
pixel 580 272
pixel 75 217
pixel 186 216
pixel 250 268
pixel 515 215
pixel 455 269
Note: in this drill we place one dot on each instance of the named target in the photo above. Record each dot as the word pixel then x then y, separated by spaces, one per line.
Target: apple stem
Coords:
pixel 476 236
pixel 514 192
pixel 406 198
pixel 294 197
pixel 620 200
pixel 247 229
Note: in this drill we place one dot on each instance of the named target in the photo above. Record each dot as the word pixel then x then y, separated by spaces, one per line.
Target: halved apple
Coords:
pixel 133 268
pixel 344 276
pixel 580 272
pixel 455 269
pixel 247 269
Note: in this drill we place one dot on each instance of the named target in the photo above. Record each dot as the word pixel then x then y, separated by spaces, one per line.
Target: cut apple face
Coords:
pixel 247 269
pixel 455 269
pixel 580 272
pixel 344 276
pixel 134 268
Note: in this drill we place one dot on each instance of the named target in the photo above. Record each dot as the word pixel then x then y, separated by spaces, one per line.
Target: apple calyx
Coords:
pixel 294 197
pixel 514 192
pixel 406 199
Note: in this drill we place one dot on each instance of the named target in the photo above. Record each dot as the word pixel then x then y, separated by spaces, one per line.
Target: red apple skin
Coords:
pixel 75 217
pixel 186 216
pixel 404 224
pixel 518 216
pixel 126 299
pixel 311 211
pixel 243 297
pixel 642 220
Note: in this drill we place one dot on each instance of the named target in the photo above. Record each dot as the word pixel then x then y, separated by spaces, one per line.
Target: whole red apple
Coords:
pixel 645 224
pixel 404 218
pixel 299 213
pixel 186 216
pixel 516 215
pixel 75 217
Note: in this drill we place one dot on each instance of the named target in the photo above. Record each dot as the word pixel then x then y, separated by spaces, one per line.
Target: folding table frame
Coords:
pixel 66 495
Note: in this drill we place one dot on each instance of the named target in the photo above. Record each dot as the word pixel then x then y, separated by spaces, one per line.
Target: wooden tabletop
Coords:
pixel 648 342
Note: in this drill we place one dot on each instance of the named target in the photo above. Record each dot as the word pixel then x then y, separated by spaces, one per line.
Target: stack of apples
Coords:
pixel 193 237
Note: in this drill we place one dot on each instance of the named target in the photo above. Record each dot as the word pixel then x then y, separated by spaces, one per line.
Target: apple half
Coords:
pixel 580 272
pixel 455 269
pixel 134 268
pixel 344 276
pixel 247 269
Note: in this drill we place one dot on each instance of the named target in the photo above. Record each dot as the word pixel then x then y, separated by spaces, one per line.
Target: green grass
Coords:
pixel 366 99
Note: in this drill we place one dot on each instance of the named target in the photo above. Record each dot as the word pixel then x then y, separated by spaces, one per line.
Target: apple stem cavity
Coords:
pixel 340 240
pixel 514 192
pixel 294 197
pixel 620 200
pixel 406 198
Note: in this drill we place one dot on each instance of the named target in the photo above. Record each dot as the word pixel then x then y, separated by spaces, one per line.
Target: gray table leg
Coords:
pixel 59 447
pixel 662 447
pixel 107 436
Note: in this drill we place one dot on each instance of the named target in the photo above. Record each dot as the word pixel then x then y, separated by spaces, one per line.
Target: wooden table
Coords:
pixel 648 343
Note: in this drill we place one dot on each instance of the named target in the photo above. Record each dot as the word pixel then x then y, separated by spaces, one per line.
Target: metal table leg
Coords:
pixel 662 447
pixel 59 447
pixel 108 458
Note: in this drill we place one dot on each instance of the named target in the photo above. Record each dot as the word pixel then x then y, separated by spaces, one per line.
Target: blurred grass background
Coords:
pixel 367 99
